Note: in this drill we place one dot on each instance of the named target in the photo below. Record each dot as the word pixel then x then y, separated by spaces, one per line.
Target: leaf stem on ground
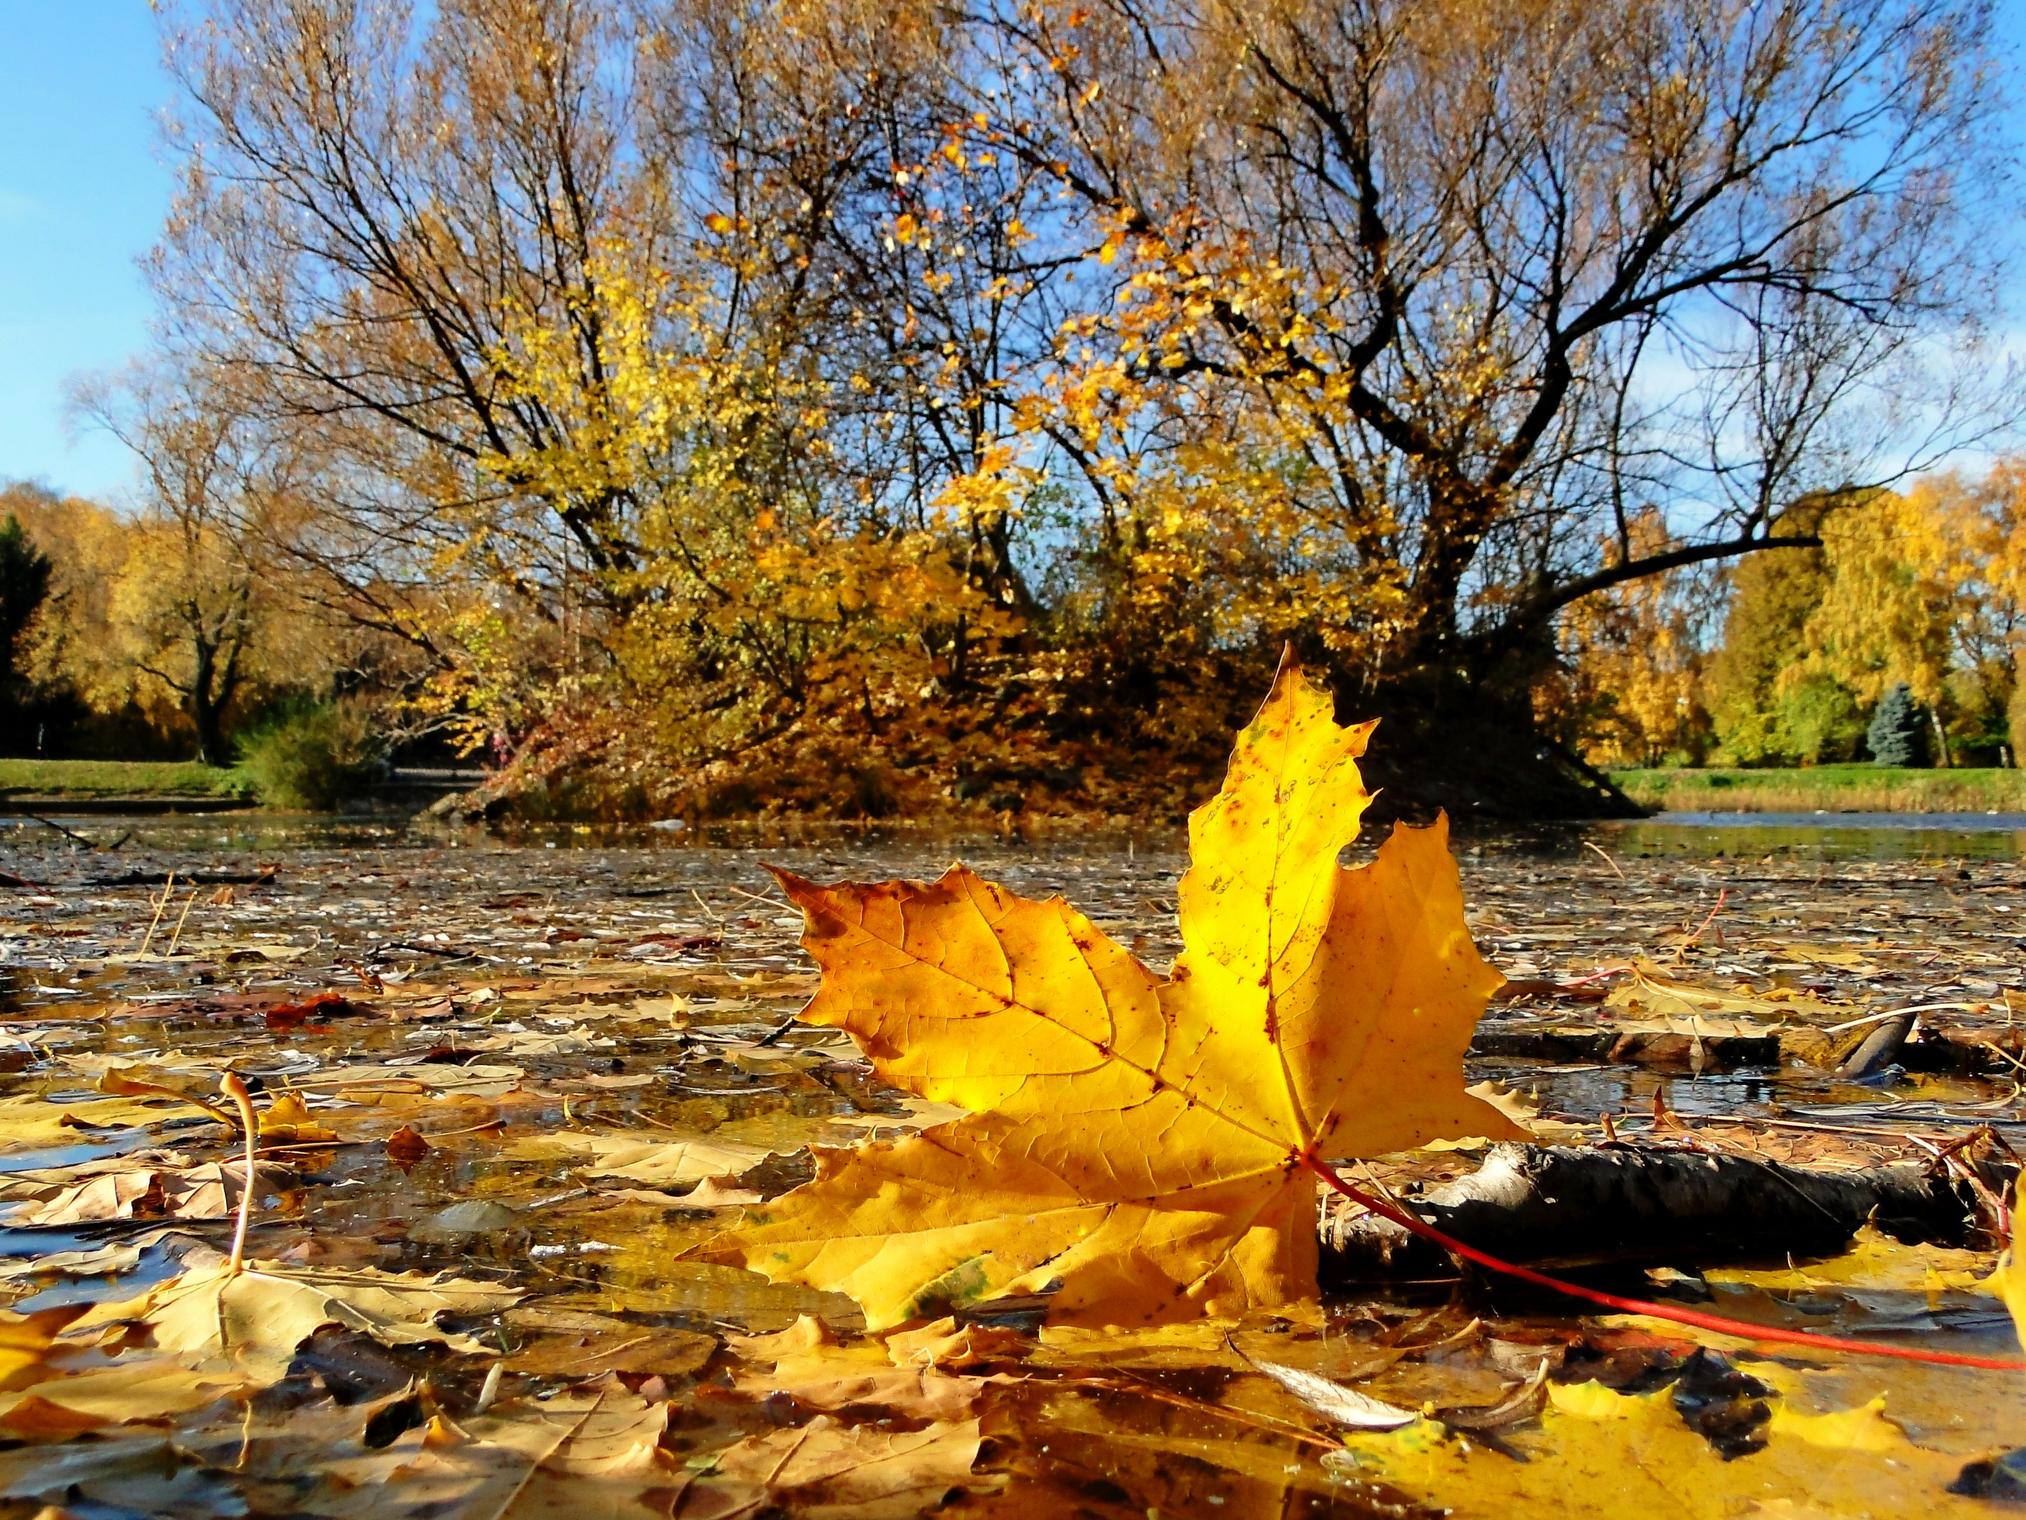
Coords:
pixel 235 1089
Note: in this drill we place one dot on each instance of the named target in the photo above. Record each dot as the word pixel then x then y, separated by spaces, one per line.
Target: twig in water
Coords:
pixel 188 903
pixel 160 908
pixel 72 834
pixel 1605 858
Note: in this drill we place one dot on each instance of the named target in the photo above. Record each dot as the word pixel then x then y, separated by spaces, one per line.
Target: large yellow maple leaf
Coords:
pixel 1141 1146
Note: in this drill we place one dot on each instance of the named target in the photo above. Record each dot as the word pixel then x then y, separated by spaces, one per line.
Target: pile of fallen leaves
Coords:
pixel 1039 1223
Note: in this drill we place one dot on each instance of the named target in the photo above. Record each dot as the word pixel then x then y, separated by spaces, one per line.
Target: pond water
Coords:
pixel 1703 835
pixel 560 1011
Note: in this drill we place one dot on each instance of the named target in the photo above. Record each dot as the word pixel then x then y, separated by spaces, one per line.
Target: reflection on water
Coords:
pixel 1694 836
pixel 1804 836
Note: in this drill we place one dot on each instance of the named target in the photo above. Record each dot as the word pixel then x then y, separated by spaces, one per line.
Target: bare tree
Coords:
pixel 1497 230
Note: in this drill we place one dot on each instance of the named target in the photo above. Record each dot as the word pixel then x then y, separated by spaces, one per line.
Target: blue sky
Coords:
pixel 82 195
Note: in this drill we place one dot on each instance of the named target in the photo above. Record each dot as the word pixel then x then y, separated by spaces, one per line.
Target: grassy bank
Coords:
pixel 87 780
pixel 1832 788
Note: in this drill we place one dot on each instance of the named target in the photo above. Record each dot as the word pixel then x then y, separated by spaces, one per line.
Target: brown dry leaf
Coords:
pixel 395 1085
pixel 131 1473
pixel 1141 1148
pixel 1841 957
pixel 1649 990
pixel 587 1453
pixel 287 1121
pixel 98 1261
pixel 258 1317
pixel 210 1191
pixel 124 1394
pixel 1334 1401
pixel 25 1341
pixel 827 1470
pixel 36 1123
pixel 146 1082
pixel 806 1334
pixel 714 1193
pixel 840 1377
pixel 579 1343
pixel 651 1160
pixel 943 1343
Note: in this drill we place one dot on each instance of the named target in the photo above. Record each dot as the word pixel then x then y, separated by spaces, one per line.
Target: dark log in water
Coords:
pixel 1555 1206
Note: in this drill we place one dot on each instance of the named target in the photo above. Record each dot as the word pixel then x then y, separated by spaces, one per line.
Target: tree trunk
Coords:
pixel 1457 733
pixel 204 712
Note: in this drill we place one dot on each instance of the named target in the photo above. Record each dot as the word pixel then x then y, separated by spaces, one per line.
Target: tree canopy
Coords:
pixel 678 380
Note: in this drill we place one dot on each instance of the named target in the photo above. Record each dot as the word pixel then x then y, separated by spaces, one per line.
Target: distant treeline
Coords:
pixel 1786 659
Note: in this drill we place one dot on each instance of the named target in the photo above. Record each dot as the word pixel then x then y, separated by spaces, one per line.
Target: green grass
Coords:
pixel 117 778
pixel 1832 788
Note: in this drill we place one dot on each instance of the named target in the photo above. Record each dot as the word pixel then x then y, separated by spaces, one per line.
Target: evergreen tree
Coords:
pixel 24 582
pixel 1898 732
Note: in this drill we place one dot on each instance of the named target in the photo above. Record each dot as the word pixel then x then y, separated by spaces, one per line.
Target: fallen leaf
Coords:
pixel 841 1377
pixel 650 1161
pixel 128 1474
pixel 1139 1147
pixel 1874 1263
pixel 287 1121
pixel 33 1123
pixel 2008 1281
pixel 715 1193
pixel 311 1011
pixel 98 1261
pixel 25 1341
pixel 593 1451
pixel 827 1470
pixel 210 1191
pixel 806 1334
pixel 943 1343
pixel 1332 1400
pixel 259 1316
pixel 148 1392
pixel 1633 1457
pixel 627 1348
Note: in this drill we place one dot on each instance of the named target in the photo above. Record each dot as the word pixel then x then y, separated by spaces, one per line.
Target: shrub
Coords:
pixel 313 756
pixel 1822 720
pixel 1898 733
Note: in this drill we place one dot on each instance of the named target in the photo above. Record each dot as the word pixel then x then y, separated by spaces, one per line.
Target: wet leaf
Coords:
pixel 827 1470
pixel 648 1160
pixel 1633 1456
pixel 943 1343
pixel 25 1341
pixel 406 1146
pixel 257 1318
pixel 147 1392
pixel 287 1121
pixel 210 1191
pixel 1332 1400
pixel 592 1451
